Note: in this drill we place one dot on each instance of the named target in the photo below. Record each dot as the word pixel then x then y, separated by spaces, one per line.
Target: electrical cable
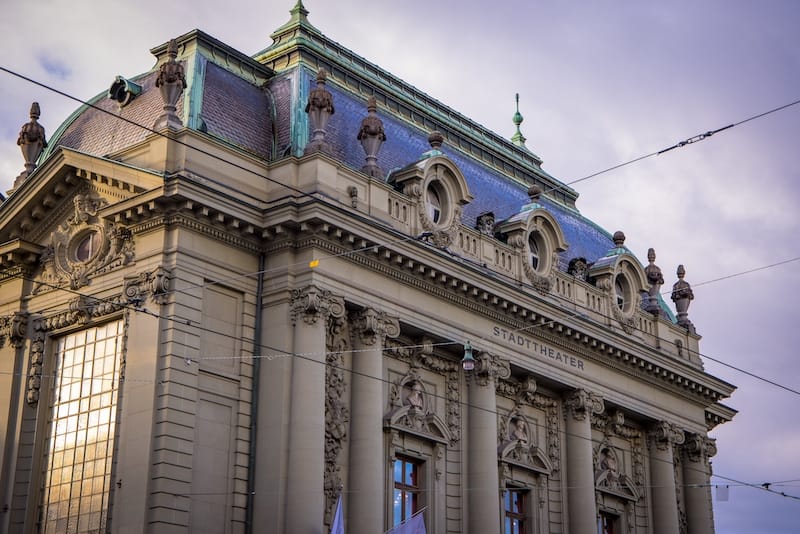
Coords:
pixel 302 193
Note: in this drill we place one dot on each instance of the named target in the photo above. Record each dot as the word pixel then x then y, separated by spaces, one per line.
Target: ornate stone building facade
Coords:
pixel 293 276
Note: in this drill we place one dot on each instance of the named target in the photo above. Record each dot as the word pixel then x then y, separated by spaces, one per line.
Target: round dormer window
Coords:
pixel 623 293
pixel 536 249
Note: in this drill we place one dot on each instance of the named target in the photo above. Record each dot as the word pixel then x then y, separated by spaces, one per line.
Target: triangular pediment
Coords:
pixel 52 224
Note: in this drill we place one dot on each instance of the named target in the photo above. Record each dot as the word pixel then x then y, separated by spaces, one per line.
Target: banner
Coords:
pixel 337 526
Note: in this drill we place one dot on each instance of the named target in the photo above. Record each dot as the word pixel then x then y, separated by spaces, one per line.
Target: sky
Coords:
pixel 600 83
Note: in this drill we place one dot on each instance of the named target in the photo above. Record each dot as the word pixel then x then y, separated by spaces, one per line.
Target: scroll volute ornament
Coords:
pixel 31 141
pixel 699 448
pixel 373 325
pixel 581 403
pixel 490 367
pixel 171 82
pixel 665 435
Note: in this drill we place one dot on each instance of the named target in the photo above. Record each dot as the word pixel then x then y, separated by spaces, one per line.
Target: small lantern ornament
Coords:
pixel 319 109
pixel 372 137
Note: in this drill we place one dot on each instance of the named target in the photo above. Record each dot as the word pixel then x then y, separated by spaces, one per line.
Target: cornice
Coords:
pixel 400 265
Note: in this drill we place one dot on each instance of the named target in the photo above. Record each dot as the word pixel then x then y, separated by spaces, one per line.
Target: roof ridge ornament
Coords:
pixel 372 137
pixel 435 140
pixel 319 109
pixel 682 295
pixel 32 142
pixel 518 139
pixel 171 82
pixel 655 280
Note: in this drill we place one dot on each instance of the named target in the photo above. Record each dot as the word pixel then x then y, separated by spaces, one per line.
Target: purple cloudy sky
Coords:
pixel 600 83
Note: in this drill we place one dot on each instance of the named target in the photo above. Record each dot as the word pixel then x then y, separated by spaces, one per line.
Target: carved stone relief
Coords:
pixel 312 304
pixel 13 328
pixel 337 413
pixel 580 403
pixel 422 357
pixel 524 394
pixel 84 246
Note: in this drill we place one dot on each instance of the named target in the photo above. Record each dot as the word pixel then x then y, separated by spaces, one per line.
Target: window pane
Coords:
pixel 83 408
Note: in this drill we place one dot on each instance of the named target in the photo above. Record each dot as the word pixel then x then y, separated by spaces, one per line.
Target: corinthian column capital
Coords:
pixel 489 367
pixel 580 403
pixel 372 326
pixel 699 448
pixel 665 434
pixel 312 303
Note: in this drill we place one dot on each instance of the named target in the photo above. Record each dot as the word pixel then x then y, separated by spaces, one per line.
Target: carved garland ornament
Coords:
pixel 337 413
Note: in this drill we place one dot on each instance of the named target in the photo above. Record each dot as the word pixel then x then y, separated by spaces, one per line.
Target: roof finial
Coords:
pixel 299 12
pixel 518 139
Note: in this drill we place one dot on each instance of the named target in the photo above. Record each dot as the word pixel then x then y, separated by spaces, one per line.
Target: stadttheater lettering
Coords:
pixel 537 348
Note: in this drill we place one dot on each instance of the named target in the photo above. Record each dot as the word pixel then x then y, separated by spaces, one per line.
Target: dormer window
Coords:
pixel 623 293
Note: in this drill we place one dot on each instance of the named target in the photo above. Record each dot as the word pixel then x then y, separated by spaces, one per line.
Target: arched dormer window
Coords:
pixel 439 190
pixel 622 277
pixel 538 238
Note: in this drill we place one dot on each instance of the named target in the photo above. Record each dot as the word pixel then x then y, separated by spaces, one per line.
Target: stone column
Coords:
pixel 483 480
pixel 305 497
pixel 579 406
pixel 663 438
pixel 366 484
pixel 697 477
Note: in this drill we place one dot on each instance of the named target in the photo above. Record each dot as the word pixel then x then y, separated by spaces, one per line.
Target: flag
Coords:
pixel 337 526
pixel 413 525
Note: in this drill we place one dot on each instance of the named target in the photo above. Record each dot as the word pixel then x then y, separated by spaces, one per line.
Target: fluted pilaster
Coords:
pixel 483 494
pixel 311 308
pixel 580 405
pixel 663 438
pixel 365 491
pixel 697 450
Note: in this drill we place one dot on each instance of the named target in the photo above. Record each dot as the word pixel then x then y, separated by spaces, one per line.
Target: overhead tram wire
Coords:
pixel 694 139
pixel 190 323
pixel 159 133
pixel 680 144
pixel 303 193
pixel 690 140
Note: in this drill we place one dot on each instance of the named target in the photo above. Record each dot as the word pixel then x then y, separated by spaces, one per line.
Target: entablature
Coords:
pixel 465 284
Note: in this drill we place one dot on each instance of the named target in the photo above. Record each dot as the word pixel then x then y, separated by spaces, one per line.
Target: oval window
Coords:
pixel 434 203
pixel 88 246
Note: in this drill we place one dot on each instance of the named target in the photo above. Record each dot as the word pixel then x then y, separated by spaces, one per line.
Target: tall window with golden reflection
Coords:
pixel 77 477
